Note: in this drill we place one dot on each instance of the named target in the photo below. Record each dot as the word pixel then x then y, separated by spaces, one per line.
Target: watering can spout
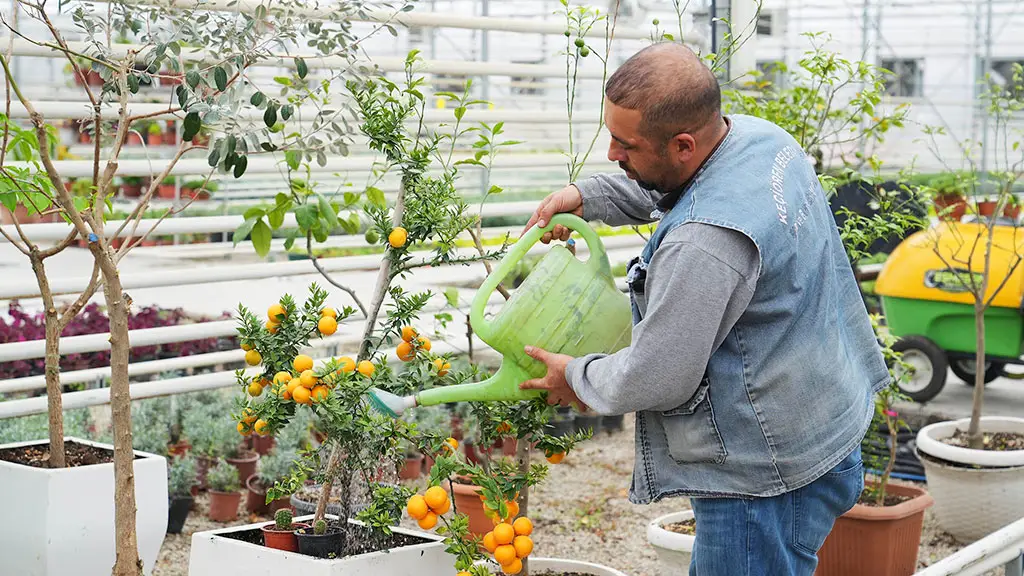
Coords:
pixel 502 386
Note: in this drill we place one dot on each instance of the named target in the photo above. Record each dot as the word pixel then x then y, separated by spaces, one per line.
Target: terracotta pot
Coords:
pixel 155 139
pixel 413 467
pixel 134 139
pixel 880 541
pixel 428 463
pixel 256 498
pixel 282 539
pixel 84 138
pixel 1011 211
pixel 165 191
pixel 956 201
pixel 986 207
pixel 202 465
pixel 224 506
pixel 131 190
pixel 245 463
pixel 508 446
pixel 467 501
pixel 261 444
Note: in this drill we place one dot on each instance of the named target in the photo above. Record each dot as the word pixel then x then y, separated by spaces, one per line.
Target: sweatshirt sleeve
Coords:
pixel 615 200
pixel 698 285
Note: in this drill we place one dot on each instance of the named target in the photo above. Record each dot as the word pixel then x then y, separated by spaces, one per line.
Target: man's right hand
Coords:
pixel 567 199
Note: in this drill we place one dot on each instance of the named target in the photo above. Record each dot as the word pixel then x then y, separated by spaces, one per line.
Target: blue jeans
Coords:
pixel 777 536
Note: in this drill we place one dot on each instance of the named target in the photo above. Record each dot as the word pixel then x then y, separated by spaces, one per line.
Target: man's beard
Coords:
pixel 649 186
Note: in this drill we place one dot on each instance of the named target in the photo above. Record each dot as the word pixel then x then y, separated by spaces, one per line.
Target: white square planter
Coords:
pixel 59 522
pixel 215 555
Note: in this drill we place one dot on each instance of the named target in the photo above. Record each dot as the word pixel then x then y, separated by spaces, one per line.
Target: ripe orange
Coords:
pixel 417 507
pixel 436 497
pixel 513 509
pixel 246 346
pixel 253 358
pixel 442 366
pixel 302 363
pixel 263 382
pixel 489 544
pixel 366 368
pixel 463 573
pixel 513 567
pixel 301 395
pixel 523 526
pixel 408 333
pixel 307 378
pixel 244 429
pixel 523 546
pixel 283 377
pixel 260 427
pixel 248 416
pixel 405 352
pixel 320 393
pixel 327 325
pixel 424 342
pixel 276 313
pixel 272 327
pixel 347 364
pixel 255 389
pixel 453 443
pixel 503 428
pixel 505 554
pixel 329 312
pixel 556 457
pixel 397 237
pixel 504 534
pixel 444 508
pixel 428 521
pixel 286 394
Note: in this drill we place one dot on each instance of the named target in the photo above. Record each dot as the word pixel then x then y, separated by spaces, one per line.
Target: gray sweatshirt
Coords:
pixel 699 282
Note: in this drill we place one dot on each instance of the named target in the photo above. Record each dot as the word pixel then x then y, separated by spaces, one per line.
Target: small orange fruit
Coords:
pixel 428 521
pixel 276 313
pixel 504 534
pixel 504 554
pixel 307 378
pixel 302 363
pixel 513 508
pixel 443 508
pixel 272 327
pixel 263 382
pixel 286 394
pixel 523 526
pixel 260 427
pixel 523 546
pixel 329 312
pixel 453 443
pixel 513 567
pixel 442 366
pixel 248 416
pixel 366 368
pixel 463 573
pixel 347 364
pixel 405 352
pixel 255 389
pixel 244 428
pixel 489 544
pixel 556 457
pixel 283 377
pixel 408 333
pixel 327 325
pixel 293 384
pixel 246 346
pixel 397 237
pixel 503 428
pixel 417 507
pixel 301 395
pixel 424 342
pixel 253 358
pixel 320 393
pixel 436 497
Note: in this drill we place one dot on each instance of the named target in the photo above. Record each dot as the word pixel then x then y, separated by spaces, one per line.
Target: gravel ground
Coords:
pixel 581 512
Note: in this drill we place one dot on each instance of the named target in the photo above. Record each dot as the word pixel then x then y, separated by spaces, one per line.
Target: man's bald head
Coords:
pixel 672 89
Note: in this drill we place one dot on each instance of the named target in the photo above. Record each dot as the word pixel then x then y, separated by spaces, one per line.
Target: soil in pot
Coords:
pixel 177 513
pixel 75 454
pixel 224 506
pixel 245 463
pixel 330 544
pixel 998 441
pixel 688 527
pixel 358 541
pixel 282 539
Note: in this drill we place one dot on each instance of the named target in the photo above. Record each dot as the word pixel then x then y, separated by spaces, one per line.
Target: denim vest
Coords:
pixel 789 393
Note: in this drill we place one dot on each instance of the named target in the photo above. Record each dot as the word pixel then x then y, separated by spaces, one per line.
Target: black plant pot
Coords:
pixel 609 423
pixel 561 425
pixel 590 422
pixel 327 545
pixel 178 513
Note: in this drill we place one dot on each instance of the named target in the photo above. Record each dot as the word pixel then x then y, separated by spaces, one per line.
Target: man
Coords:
pixel 753 363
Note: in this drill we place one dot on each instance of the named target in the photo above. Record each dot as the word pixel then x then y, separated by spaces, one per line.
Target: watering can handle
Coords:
pixel 598 259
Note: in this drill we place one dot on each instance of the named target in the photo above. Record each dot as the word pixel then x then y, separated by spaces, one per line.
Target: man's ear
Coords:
pixel 683 146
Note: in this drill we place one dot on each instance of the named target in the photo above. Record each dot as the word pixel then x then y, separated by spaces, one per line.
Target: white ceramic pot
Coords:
pixel 972 502
pixel 213 554
pixel 558 564
pixel 59 522
pixel 674 550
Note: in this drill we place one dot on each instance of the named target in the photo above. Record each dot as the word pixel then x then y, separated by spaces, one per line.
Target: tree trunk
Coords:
pixel 974 435
pixel 54 400
pixel 128 562
pixel 523 460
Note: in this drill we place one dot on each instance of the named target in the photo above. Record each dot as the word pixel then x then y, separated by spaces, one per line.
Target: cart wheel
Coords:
pixel 964 370
pixel 929 364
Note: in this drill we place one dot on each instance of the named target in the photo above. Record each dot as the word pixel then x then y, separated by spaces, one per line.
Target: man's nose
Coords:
pixel 615 154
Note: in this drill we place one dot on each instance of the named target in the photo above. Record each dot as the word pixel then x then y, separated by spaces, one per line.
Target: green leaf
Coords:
pixel 460 112
pixel 495 189
pixel 350 198
pixel 214 158
pixel 261 238
pixel 192 78
pixel 376 196
pixel 191 126
pixel 270 116
pixel 451 294
pixel 240 164
pixel 268 146
pixel 320 234
pixel 220 77
pixel 254 213
pixel 276 217
pixel 300 67
pixel 327 211
pixel 182 93
pixel 321 158
pixel 286 111
pixel 9 200
pixel 289 240
pixel 242 232
pixel 306 215
pixel 293 157
pixel 257 98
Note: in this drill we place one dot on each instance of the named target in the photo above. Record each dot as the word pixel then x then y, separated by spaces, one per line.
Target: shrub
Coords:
pixel 223 478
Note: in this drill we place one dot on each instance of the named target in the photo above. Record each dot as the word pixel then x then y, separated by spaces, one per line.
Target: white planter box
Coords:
pixel 556 564
pixel 59 522
pixel 971 503
pixel 674 550
pixel 215 555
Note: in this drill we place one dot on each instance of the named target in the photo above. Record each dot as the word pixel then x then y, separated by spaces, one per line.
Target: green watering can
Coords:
pixel 564 306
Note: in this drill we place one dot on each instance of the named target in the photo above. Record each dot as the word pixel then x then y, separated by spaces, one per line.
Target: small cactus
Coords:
pixel 283 519
pixel 320 527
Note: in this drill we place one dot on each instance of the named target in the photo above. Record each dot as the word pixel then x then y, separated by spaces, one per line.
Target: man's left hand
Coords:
pixel 559 391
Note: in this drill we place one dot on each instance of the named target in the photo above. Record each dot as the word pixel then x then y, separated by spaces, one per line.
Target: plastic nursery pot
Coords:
pixel 224 506
pixel 282 539
pixel 329 545
pixel 245 463
pixel 177 513
pixel 413 467
pixel 613 423
pixel 987 208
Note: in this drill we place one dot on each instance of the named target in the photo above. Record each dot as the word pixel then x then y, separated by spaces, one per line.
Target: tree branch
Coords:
pixel 332 281
pixel 71 311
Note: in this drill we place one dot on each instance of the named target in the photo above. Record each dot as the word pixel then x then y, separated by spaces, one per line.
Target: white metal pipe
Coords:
pixel 983 555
